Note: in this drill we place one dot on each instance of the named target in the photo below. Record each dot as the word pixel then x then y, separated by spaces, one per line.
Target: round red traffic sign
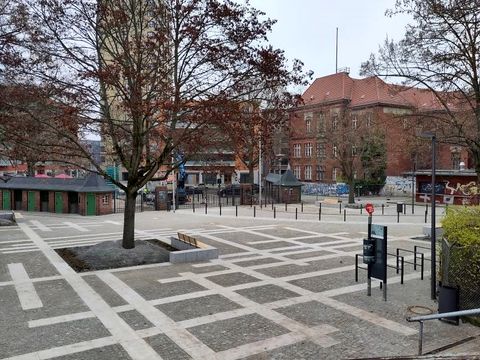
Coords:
pixel 369 208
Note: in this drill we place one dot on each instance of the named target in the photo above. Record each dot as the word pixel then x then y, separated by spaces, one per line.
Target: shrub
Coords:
pixel 461 225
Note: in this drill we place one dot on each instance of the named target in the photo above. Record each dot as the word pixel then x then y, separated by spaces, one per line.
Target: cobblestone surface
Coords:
pixel 281 289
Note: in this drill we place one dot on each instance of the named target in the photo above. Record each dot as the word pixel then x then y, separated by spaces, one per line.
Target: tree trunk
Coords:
pixel 30 169
pixel 250 175
pixel 128 241
pixel 351 191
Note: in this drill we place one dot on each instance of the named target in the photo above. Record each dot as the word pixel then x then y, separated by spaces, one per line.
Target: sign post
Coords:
pixel 375 252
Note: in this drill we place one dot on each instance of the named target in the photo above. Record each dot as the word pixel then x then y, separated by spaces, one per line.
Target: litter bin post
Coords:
pixel 399 207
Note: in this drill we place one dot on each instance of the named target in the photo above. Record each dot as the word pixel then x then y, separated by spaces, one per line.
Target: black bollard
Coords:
pixel 344 215
pixel 254 211
pixel 274 212
pixel 236 210
pixel 296 213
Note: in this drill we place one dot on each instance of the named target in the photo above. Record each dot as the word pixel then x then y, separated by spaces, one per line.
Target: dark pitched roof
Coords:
pixel 287 179
pixel 92 183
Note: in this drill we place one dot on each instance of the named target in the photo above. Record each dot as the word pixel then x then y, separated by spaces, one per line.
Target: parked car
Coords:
pixel 234 190
pixel 229 190
pixel 191 190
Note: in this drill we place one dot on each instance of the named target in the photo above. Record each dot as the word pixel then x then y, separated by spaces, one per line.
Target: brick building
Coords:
pixel 87 196
pixel 361 107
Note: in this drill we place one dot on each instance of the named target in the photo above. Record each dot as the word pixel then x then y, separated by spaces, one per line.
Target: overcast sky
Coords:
pixel 306 30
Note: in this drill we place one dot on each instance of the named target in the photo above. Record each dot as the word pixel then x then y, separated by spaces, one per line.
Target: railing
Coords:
pixel 446 315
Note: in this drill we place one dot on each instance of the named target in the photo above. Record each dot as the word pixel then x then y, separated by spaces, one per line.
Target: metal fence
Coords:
pixel 141 203
pixel 461 269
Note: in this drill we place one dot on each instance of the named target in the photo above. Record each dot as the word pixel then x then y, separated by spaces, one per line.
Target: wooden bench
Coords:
pixel 190 249
pixel 188 239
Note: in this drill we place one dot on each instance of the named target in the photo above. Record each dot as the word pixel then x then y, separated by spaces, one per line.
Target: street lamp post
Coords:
pixel 433 234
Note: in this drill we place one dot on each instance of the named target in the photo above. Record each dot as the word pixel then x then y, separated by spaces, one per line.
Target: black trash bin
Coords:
pixel 399 207
pixel 448 301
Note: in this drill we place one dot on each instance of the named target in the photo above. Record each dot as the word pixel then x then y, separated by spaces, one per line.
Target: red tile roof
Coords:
pixel 368 91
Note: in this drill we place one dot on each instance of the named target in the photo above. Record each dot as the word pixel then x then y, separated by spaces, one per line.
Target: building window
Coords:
pixel 335 122
pixel 308 172
pixel 334 174
pixel 296 171
pixel 296 150
pixel 321 123
pixel 369 120
pixel 320 173
pixel 335 151
pixel 308 122
pixel 455 161
pixel 321 151
pixel 308 150
pixel 106 199
pixel 354 122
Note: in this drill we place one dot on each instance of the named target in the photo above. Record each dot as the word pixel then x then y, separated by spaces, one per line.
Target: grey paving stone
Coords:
pixel 58 298
pixel 241 237
pixel 155 290
pixel 105 353
pixel 35 263
pixel 145 281
pixel 224 249
pixel 271 245
pixel 11 233
pixel 166 348
pixel 285 270
pixel 207 269
pixel 282 232
pixel 267 293
pixel 227 334
pixel 358 248
pixel 286 251
pixel 136 320
pixel 357 338
pixel 303 350
pixel 18 339
pixel 311 253
pixel 326 282
pixel 262 261
pixel 105 291
pixel 332 263
pixel 317 240
pixel 192 308
pixel 232 279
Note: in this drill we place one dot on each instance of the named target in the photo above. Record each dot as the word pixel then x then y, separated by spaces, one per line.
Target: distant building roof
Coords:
pixel 286 179
pixel 92 183
pixel 370 91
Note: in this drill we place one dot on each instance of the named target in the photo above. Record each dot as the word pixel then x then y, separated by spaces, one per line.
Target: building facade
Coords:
pixel 342 117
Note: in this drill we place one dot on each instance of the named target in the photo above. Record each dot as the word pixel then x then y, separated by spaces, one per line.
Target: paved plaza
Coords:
pixel 281 289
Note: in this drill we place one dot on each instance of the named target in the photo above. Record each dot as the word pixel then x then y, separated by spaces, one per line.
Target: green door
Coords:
pixel 31 201
pixel 6 200
pixel 58 202
pixel 91 206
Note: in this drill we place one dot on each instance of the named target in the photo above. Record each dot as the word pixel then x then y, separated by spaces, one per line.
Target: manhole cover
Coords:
pixel 420 310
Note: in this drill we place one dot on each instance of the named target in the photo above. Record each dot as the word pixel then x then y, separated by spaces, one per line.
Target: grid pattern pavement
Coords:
pixel 278 291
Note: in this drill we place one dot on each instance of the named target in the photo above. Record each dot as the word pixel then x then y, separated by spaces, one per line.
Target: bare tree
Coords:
pixel 150 77
pixel 441 52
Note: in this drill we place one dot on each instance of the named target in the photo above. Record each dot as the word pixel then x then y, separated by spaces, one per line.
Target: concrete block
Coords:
pixel 427 231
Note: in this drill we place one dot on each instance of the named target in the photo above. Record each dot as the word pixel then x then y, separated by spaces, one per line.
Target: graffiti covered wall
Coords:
pixel 397 186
